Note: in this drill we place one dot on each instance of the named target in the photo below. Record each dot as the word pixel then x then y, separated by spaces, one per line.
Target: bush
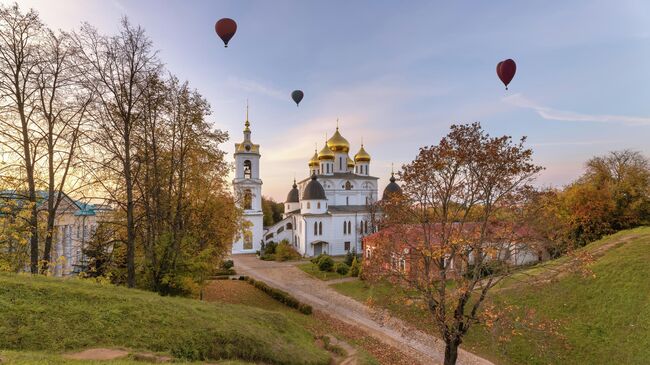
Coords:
pixel 268 257
pixel 269 248
pixel 355 268
pixel 325 263
pixel 314 260
pixel 281 296
pixel 227 264
pixel 342 268
pixel 349 257
pixel 285 252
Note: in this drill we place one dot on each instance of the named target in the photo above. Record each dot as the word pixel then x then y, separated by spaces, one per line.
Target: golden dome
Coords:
pixel 362 155
pixel 326 153
pixel 314 160
pixel 337 143
pixel 350 162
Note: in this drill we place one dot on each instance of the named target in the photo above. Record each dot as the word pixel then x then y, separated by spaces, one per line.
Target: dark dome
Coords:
pixel 294 195
pixel 391 188
pixel 314 190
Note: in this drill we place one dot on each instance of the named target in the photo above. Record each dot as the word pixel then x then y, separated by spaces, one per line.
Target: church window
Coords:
pixel 320 228
pixel 248 199
pixel 366 227
pixel 345 227
pixel 340 163
pixel 347 200
pixel 318 205
pixel 366 200
pixel 247 169
pixel 361 227
pixel 289 225
pixel 308 205
pixel 349 227
pixel 315 228
pixel 346 246
pixel 348 185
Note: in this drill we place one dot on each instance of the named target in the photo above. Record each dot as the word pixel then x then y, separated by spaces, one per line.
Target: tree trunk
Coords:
pixel 451 352
pixel 130 222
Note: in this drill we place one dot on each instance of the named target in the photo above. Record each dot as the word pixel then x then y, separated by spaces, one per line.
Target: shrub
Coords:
pixel 285 252
pixel 325 263
pixel 355 268
pixel 341 268
pixel 349 257
pixel 268 257
pixel 281 296
pixel 227 264
pixel 314 260
pixel 269 248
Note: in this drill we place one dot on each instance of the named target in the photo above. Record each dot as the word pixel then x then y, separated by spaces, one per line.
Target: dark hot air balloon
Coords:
pixel 225 28
pixel 297 96
pixel 506 71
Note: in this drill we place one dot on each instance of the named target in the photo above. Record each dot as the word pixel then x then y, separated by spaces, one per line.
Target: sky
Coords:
pixel 398 74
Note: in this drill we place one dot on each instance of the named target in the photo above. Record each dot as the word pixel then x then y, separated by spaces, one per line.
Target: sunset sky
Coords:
pixel 399 73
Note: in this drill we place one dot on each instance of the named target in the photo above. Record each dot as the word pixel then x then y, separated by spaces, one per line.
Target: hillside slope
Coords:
pixel 53 315
pixel 579 319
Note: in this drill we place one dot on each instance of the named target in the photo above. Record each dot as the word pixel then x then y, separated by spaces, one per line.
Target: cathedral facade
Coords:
pixel 329 211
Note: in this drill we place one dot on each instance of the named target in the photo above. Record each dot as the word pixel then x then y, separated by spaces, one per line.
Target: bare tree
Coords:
pixel 450 235
pixel 116 69
pixel 19 61
pixel 62 106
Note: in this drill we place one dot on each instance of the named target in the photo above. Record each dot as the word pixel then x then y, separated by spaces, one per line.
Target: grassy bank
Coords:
pixel 52 316
pixel 570 318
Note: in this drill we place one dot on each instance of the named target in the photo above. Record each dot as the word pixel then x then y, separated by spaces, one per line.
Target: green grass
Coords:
pixel 38 358
pixel 312 269
pixel 604 319
pixel 48 315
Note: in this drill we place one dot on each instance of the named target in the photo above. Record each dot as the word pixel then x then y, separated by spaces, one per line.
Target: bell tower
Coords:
pixel 247 187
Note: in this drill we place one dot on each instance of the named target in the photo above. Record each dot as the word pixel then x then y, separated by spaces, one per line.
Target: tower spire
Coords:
pixel 247 123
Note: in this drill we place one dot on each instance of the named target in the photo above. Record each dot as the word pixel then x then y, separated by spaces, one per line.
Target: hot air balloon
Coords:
pixel 297 96
pixel 506 71
pixel 225 28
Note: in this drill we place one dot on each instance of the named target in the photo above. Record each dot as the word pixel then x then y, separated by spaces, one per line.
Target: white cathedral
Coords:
pixel 327 212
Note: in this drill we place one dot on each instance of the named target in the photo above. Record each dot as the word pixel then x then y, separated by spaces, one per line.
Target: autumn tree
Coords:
pixel 454 232
pixel 115 69
pixel 272 211
pixel 20 35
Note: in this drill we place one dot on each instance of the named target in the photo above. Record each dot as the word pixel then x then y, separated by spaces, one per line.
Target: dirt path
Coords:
pixel 425 348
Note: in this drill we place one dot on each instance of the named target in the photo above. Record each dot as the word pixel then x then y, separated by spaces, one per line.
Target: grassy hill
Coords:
pixel 48 316
pixel 563 318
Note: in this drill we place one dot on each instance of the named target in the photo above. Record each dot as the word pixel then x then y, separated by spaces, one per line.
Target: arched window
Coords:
pixel 345 227
pixel 289 225
pixel 247 169
pixel 366 227
pixel 320 228
pixel 308 205
pixel 248 199
pixel 340 163
pixel 318 205
pixel 349 227
pixel 347 200
pixel 315 229
pixel 348 185
pixel 361 227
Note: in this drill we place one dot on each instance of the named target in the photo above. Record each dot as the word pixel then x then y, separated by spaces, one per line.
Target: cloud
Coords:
pixel 252 86
pixel 562 115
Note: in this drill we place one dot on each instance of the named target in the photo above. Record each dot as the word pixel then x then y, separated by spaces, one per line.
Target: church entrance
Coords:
pixel 319 247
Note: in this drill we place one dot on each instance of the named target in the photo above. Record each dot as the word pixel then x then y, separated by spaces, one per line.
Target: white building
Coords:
pixel 248 192
pixel 327 212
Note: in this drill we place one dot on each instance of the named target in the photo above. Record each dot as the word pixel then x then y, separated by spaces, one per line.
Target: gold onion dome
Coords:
pixel 314 159
pixel 362 155
pixel 326 153
pixel 337 143
pixel 350 162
